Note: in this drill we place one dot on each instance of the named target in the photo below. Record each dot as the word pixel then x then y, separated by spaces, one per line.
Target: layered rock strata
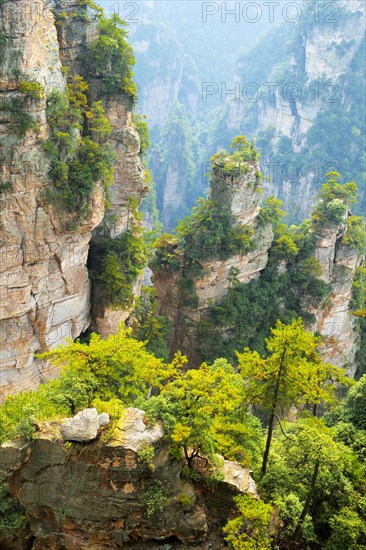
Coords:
pixel 45 291
pixel 334 321
pixel 96 496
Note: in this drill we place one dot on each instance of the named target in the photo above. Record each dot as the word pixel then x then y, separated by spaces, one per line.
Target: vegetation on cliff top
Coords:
pixel 212 231
pixel 111 58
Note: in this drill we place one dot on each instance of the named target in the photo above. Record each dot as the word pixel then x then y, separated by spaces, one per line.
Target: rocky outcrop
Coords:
pixel 96 496
pixel 241 193
pixel 45 291
pixel 84 426
pixel 334 321
pixel 129 176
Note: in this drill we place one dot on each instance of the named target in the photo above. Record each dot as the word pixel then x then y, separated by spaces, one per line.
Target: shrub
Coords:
pixel 334 201
pixel 212 232
pixel 114 264
pixel 249 530
pixel 151 327
pixel 270 212
pixel 165 258
pixel 355 236
pixel 12 515
pixel 112 58
pixel 146 454
pixel 141 125
pixel 31 89
pixel 154 498
pixel 78 161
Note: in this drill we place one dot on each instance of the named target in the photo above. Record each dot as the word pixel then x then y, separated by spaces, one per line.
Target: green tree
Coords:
pixel 118 366
pixel 292 374
pixel 250 530
pixel 335 200
pixel 202 411
pixel 355 404
pixel 271 211
pixel 322 479
pixel 111 57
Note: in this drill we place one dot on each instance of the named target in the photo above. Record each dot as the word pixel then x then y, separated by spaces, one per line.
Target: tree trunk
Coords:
pixel 269 439
pixel 308 500
pixel 273 414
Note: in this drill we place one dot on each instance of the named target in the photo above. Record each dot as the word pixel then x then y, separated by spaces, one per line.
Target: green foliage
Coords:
pixel 146 454
pixel 348 530
pixel 358 301
pixel 292 374
pixel 165 259
pixel 355 404
pixel 245 314
pixel 12 515
pixel 154 498
pixel 271 211
pixel 99 124
pixel 202 411
pixel 31 89
pixel 250 530
pixel 114 265
pixel 313 480
pixel 103 373
pixel 151 328
pixel 79 159
pixel 335 200
pixel 246 148
pixel 19 413
pixel 118 366
pixel 355 236
pixel 90 4
pixel 111 58
pixel 289 285
pixel 212 232
pixel 237 163
pixel 142 127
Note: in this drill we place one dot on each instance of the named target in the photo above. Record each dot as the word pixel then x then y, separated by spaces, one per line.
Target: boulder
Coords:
pixel 84 426
pixel 235 474
pixel 134 434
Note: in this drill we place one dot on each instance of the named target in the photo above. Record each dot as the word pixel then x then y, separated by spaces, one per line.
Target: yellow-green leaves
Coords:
pixel 250 530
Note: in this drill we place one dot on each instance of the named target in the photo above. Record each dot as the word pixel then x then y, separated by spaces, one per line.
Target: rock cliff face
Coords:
pixel 334 322
pixel 241 194
pixel 308 82
pixel 97 496
pixel 45 293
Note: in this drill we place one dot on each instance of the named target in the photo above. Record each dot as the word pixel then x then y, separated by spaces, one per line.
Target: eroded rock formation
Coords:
pixel 241 194
pixel 334 321
pixel 96 496
pixel 45 292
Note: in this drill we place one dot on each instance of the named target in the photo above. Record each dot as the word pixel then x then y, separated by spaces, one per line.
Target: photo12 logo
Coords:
pixel 253 92
pixel 290 172
pixel 271 12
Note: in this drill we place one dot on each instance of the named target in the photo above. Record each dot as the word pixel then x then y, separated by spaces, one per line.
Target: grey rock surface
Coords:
pixel 84 426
